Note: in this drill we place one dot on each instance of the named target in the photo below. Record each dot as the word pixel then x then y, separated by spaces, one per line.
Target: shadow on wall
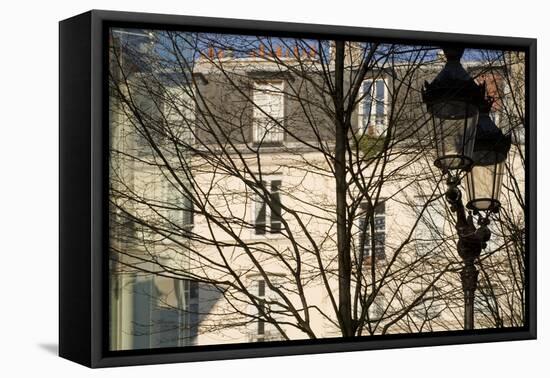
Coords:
pixel 208 296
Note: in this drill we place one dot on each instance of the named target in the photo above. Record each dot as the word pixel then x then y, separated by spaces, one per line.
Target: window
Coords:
pixel 429 230
pixel 261 295
pixel 372 108
pixel 261 288
pixel 193 309
pixel 179 113
pixel 266 310
pixel 365 240
pixel 268 112
pixel 430 306
pixel 168 324
pixel 179 206
pixel 377 308
pixel 485 301
pixel 146 122
pixel 193 289
pixel 268 218
pixel 167 116
pixel 165 312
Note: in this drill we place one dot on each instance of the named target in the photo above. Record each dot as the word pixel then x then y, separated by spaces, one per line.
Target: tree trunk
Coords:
pixel 344 258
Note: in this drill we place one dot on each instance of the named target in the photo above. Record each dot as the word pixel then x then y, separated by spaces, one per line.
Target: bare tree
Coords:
pixel 260 168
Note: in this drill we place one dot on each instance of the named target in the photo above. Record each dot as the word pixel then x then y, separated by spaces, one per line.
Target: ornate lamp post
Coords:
pixel 453 99
pixel 467 140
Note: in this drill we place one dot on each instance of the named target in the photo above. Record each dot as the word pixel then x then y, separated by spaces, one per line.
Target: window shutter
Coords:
pixel 261 322
pixel 275 309
pixel 188 215
pixel 260 216
pixel 261 288
pixel 275 206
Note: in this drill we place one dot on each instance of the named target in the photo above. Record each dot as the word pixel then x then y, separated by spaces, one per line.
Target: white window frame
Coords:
pixel 374 122
pixel 276 133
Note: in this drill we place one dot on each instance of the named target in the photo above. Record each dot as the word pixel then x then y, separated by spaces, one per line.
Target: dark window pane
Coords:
pixel 193 319
pixel 380 89
pixel 261 288
pixel 380 208
pixel 275 227
pixel 366 252
pixel 259 229
pixel 367 100
pixel 193 289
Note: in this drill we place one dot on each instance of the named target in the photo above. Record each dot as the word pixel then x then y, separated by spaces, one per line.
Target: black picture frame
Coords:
pixel 83 268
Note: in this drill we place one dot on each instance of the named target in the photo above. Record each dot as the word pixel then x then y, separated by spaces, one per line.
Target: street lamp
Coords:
pixel 484 180
pixel 467 140
pixel 452 100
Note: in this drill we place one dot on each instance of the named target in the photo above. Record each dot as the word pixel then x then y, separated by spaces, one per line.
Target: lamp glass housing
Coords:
pixel 483 183
pixel 454 129
pixel 484 180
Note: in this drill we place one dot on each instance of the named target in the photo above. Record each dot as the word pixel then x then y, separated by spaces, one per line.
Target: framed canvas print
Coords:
pixel 234 188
